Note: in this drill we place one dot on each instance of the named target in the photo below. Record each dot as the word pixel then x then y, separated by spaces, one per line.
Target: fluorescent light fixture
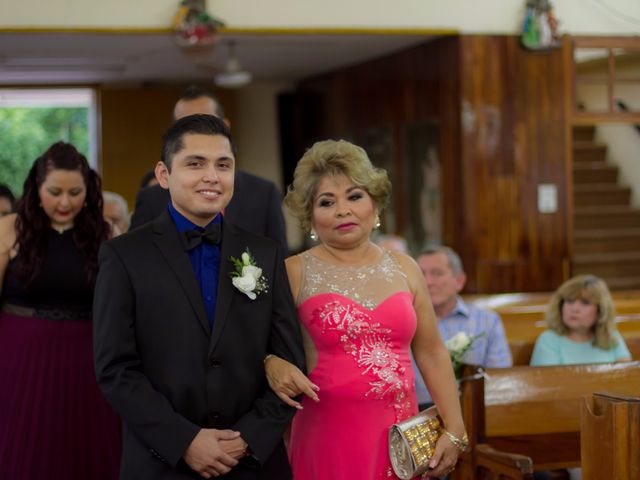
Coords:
pixel 42 98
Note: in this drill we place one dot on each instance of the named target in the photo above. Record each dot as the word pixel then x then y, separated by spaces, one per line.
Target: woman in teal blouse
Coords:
pixel 581 321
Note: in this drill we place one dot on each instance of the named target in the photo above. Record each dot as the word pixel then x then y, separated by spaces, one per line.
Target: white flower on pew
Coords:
pixel 458 346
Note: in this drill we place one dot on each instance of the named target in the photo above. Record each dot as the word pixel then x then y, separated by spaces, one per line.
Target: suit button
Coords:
pixel 214 362
pixel 214 415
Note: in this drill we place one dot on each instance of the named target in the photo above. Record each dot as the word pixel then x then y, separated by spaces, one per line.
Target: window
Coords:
pixel 606 79
pixel 32 119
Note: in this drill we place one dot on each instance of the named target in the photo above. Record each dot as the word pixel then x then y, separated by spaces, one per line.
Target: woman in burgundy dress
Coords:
pixel 54 422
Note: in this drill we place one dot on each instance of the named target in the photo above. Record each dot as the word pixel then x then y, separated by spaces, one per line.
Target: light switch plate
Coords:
pixel 547 198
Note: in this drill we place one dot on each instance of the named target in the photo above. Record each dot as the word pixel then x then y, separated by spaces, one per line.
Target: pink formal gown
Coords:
pixel 361 321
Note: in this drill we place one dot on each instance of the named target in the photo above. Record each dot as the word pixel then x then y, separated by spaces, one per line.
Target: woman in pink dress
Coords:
pixel 362 309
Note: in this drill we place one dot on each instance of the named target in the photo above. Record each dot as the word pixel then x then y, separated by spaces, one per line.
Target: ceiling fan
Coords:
pixel 233 75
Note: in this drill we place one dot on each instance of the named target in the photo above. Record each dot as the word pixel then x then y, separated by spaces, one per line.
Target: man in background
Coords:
pixel 445 278
pixel 256 205
pixel 115 211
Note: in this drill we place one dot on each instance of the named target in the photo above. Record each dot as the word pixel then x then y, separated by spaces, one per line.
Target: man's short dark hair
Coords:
pixel 193 92
pixel 199 124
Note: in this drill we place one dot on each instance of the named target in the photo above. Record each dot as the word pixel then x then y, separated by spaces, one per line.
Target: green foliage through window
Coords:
pixel 26 133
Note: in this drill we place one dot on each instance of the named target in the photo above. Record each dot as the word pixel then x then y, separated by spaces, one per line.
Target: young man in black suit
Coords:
pixel 179 344
pixel 257 204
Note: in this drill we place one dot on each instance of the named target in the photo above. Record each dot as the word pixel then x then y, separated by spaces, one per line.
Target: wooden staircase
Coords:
pixel 606 229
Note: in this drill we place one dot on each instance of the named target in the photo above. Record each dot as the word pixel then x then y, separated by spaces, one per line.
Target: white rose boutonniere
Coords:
pixel 247 276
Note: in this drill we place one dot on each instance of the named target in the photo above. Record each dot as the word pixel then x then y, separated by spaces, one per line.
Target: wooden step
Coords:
pixel 589 152
pixel 619 264
pixel 594 172
pixel 623 283
pixel 584 133
pixel 600 194
pixel 606 240
pixel 592 218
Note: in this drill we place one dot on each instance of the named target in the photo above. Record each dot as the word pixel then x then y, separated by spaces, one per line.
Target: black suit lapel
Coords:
pixel 226 290
pixel 167 239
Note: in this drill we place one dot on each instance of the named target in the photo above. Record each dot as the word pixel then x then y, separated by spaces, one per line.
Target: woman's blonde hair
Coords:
pixel 334 157
pixel 596 292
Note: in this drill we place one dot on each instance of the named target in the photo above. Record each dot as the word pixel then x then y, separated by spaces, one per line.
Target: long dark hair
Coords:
pixel 90 228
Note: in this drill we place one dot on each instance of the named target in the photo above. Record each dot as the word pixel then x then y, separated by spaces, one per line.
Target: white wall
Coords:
pixel 486 16
pixel 624 150
pixel 255 129
pixel 255 132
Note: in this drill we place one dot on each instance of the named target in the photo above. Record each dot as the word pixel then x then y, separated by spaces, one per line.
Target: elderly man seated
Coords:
pixel 445 278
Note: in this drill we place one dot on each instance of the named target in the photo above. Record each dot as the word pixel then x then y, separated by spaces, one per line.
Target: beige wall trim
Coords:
pixel 242 31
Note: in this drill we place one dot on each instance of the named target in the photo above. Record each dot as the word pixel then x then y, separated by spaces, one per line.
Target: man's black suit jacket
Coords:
pixel 163 370
pixel 256 206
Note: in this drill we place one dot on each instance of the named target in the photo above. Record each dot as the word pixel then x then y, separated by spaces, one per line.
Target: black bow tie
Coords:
pixel 192 238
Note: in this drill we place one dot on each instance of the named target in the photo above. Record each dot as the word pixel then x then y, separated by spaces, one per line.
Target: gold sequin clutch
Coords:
pixel 412 443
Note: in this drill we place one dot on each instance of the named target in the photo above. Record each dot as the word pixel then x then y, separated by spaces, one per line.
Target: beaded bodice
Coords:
pixel 368 285
pixel 361 321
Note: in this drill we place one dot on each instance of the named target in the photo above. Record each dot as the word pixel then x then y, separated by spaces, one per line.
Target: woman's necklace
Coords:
pixel 61 230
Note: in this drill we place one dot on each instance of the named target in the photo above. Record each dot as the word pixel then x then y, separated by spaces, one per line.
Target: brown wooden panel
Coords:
pixel 532 400
pixel 386 98
pixel 501 115
pixel 132 122
pixel 513 138
pixel 548 451
pixel 610 437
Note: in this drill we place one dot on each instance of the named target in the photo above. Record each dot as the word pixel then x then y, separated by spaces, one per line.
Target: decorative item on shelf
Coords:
pixel 233 76
pixel 193 26
pixel 458 346
pixel 540 26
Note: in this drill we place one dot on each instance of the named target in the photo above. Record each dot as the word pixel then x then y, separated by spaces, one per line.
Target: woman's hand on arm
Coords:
pixel 287 381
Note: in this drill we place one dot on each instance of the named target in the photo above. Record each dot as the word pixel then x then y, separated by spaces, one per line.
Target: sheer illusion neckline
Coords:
pixel 368 308
pixel 368 285
pixel 374 263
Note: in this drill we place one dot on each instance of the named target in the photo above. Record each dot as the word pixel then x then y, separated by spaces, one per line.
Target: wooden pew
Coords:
pixel 525 418
pixel 522 334
pixel 534 304
pixel 523 319
pixel 527 308
pixel 610 437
